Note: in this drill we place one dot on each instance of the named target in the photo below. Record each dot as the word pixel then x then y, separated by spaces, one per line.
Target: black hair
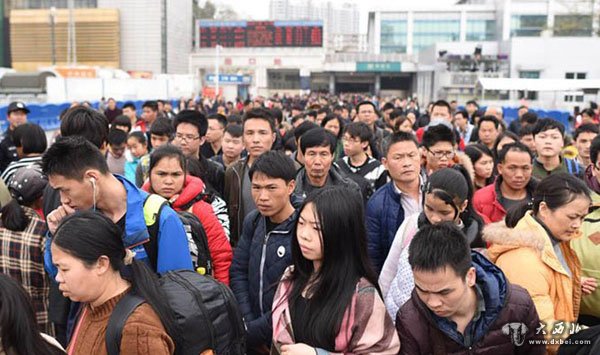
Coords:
pixel 359 130
pixel 260 113
pixel 167 151
pixel 311 113
pixel 396 113
pixel 463 113
pixel 162 127
pixel 71 156
pixel 104 238
pixel 529 117
pixel 388 106
pixel 151 104
pixel 526 130
pixel 587 111
pixel 362 103
pixel 546 124
pixel 435 247
pixel 436 134
pixel 472 102
pixel 442 103
pixel 454 186
pixel 275 165
pixel 297 108
pixel 331 117
pixel 87 123
pixel 584 128
pixel 340 215
pixel 555 190
pixel 513 147
pixel 31 137
pixel 476 151
pixel 138 136
pixel 19 333
pixel 317 137
pixel 234 119
pixel 130 105
pixel 489 118
pixel 297 118
pixel 194 118
pixel 14 217
pixel 277 115
pixel 116 137
pixel 595 149
pixel 500 137
pixel 235 131
pixel 121 120
pixel 219 117
pixel 324 110
pixel 303 128
pixel 398 137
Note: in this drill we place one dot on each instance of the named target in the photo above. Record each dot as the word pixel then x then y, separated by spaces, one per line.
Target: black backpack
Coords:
pixel 197 239
pixel 205 310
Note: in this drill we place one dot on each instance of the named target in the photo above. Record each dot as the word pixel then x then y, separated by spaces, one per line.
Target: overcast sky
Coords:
pixel 259 9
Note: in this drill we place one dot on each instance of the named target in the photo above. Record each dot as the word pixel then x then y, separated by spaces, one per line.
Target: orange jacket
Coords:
pixel 526 256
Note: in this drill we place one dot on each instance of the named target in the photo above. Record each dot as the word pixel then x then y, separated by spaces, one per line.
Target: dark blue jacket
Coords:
pixel 384 216
pixel 258 263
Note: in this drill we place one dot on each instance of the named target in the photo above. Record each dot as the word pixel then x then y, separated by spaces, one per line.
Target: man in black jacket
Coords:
pixel 16 115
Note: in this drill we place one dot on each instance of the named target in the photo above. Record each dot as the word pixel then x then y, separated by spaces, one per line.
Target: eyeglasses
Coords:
pixel 186 137
pixel 442 154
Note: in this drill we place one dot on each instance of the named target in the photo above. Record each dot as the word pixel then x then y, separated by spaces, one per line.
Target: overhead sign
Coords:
pixel 239 34
pixel 229 79
pixel 378 66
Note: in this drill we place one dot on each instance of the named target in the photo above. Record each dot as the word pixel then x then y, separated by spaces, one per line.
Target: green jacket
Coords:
pixel 566 166
pixel 589 256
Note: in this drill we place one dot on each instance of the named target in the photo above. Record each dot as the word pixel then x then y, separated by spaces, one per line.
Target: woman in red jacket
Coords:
pixel 168 178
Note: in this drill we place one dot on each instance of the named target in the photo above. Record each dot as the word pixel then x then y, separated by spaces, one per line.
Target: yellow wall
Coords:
pixel 97 33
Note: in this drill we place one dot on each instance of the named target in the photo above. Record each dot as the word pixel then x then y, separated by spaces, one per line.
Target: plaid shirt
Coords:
pixel 22 258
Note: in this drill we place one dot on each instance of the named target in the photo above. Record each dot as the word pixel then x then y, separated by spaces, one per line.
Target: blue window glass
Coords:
pixel 527 25
pixel 393 36
pixel 429 32
pixel 481 30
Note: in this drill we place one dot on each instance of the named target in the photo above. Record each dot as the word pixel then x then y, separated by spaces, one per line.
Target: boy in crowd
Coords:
pixel 357 163
pixel 232 147
pixel 161 133
pixel 549 138
pixel 264 249
pixel 115 156
pixel 214 135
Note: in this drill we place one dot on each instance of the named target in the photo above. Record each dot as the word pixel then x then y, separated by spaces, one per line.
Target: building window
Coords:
pixel 481 30
pixel 393 36
pixel 429 32
pixel 527 25
pixel 572 26
pixel 528 74
pixel 575 97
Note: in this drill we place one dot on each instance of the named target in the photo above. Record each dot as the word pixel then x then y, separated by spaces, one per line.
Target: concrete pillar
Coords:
pixel 409 32
pixel 377 83
pixel 463 26
pixel 332 84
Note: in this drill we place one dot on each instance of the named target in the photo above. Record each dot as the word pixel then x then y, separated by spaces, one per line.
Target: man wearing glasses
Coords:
pixel 190 134
pixel 438 148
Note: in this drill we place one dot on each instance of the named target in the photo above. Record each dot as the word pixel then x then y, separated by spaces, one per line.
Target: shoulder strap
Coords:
pixel 114 330
pixel 152 209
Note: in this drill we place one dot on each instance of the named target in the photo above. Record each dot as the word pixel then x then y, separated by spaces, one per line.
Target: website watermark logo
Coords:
pixel 516 331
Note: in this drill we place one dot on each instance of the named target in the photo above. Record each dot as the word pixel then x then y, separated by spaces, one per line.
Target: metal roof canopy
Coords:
pixel 510 84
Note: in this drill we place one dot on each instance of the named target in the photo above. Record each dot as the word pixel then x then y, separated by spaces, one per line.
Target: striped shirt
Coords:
pixel 21 163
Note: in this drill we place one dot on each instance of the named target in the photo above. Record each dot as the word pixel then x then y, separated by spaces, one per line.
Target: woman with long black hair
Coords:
pixel 92 262
pixel 328 301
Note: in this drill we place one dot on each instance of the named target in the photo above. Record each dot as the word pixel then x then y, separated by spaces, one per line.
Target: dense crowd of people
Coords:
pixel 339 224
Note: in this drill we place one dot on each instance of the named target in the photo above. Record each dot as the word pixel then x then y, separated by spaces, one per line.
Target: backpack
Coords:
pixel 206 312
pixel 197 239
